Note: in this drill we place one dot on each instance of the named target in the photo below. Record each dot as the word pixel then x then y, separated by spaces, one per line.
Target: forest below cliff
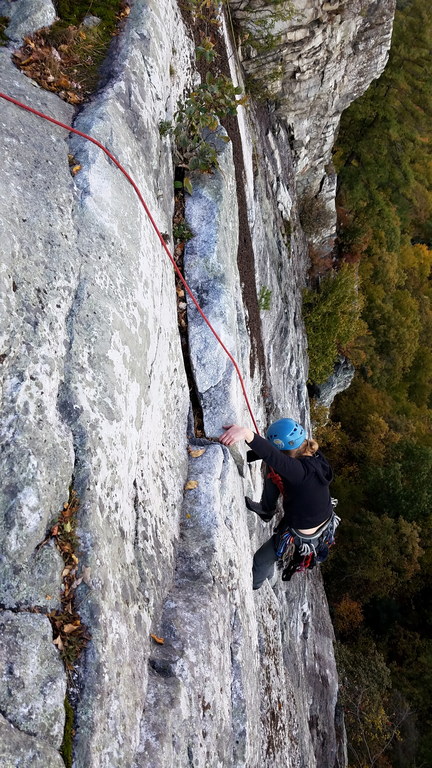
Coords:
pixel 379 438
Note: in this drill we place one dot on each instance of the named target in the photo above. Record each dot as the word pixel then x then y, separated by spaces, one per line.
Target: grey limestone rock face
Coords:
pixel 193 714
pixel 94 389
pixel 340 380
pixel 33 684
pixel 19 749
pixel 307 641
pixel 37 274
pixel 321 60
pixel 129 418
pixel 210 266
pixel 25 17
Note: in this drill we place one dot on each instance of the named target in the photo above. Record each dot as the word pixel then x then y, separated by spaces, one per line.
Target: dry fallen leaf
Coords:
pixel 191 484
pixel 73 98
pixel 58 643
pixel 63 82
pixel 27 61
pixel 196 452
pixel 157 639
pixel 68 628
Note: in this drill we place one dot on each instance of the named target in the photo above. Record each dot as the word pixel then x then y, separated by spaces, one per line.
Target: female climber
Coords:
pixel 303 475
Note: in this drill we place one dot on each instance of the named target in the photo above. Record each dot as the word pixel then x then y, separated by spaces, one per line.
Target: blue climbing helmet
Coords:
pixel 286 434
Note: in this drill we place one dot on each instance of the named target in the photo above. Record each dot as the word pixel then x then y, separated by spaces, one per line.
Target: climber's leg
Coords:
pixel 263 562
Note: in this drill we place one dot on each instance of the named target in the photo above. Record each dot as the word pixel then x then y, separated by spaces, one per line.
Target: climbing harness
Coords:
pixel 155 227
pixel 299 552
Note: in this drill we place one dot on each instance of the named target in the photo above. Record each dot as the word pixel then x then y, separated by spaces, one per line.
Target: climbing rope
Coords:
pixel 155 227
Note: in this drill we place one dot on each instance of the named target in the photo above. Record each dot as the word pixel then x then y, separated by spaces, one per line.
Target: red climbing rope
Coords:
pixel 155 227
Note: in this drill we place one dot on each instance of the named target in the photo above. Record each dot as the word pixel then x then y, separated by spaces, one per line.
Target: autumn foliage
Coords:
pixel 379 438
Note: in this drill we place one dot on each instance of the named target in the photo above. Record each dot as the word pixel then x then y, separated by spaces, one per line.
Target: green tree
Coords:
pixel 332 318
pixel 383 559
pixel 403 486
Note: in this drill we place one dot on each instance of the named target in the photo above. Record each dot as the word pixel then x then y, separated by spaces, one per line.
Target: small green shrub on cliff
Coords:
pixel 314 215
pixel 202 10
pixel 332 318
pixel 206 50
pixel 264 298
pixel 264 89
pixel 197 117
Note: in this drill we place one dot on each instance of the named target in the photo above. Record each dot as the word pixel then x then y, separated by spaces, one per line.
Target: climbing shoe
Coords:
pixel 256 507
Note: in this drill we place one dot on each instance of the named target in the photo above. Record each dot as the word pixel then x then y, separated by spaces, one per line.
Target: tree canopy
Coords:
pixel 380 438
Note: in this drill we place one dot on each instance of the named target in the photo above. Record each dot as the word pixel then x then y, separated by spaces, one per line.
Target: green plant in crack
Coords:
pixel 66 57
pixel 74 11
pixel 4 21
pixel 264 298
pixel 206 50
pixel 66 749
pixel 181 232
pixel 259 28
pixel 203 10
pixel 165 127
pixel 197 117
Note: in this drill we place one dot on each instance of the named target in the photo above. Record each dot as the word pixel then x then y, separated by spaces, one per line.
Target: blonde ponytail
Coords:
pixel 308 448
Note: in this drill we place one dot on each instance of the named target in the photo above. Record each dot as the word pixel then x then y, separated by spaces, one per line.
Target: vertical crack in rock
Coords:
pixel 246 261
pixel 70 634
pixel 245 252
pixel 197 429
pixel 66 405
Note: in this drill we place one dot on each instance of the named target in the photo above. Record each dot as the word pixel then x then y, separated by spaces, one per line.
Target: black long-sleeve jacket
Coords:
pixel 306 480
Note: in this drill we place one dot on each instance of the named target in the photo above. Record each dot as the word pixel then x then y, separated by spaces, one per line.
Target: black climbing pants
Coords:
pixel 269 496
pixel 264 561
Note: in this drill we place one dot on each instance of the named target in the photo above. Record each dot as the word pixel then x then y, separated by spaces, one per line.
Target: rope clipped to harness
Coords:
pixel 298 552
pixel 276 479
